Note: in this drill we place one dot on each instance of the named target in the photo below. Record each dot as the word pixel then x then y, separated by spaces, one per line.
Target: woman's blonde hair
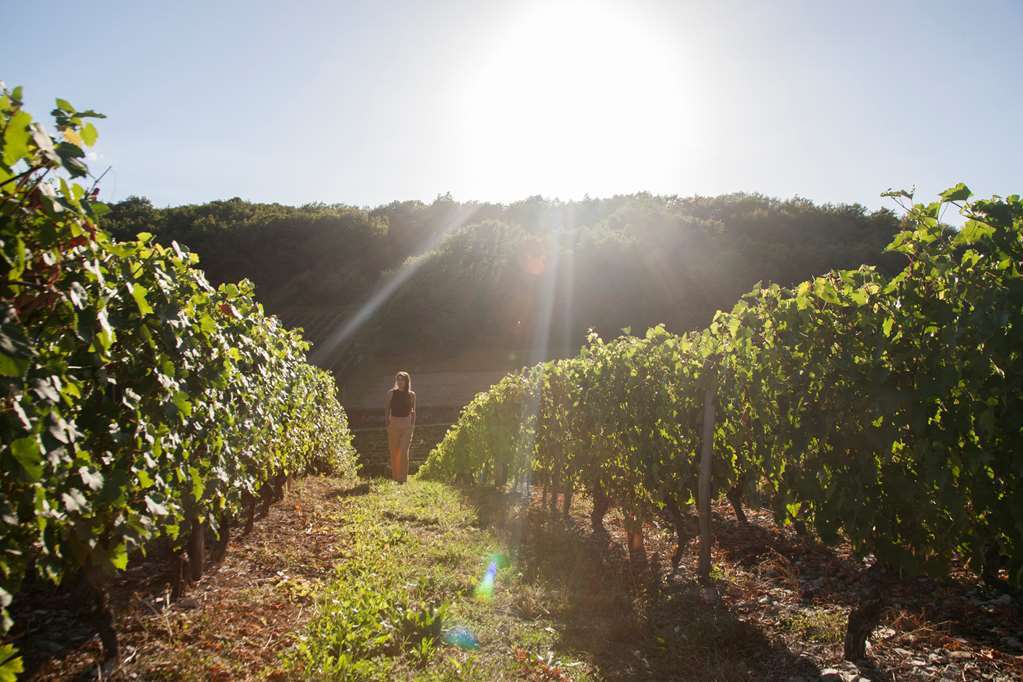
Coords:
pixel 397 381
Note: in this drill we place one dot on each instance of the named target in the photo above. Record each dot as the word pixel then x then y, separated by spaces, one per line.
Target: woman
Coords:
pixel 400 417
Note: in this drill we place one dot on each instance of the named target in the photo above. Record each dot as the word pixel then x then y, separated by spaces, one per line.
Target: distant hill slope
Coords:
pixel 521 280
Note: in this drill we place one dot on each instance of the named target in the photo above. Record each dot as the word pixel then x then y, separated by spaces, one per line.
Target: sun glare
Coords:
pixel 572 99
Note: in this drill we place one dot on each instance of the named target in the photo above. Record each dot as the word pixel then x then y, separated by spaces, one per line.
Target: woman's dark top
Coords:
pixel 401 403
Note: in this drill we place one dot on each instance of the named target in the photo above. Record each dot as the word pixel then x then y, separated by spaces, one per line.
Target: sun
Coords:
pixel 575 97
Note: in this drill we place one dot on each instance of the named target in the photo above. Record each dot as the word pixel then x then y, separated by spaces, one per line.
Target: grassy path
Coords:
pixel 416 569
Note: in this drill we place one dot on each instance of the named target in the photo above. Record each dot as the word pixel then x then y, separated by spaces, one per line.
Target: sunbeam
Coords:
pixel 673 279
pixel 325 349
pixel 540 347
pixel 539 352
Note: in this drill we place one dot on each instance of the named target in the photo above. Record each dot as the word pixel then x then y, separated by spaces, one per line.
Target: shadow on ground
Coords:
pixel 353 491
pixel 777 609
pixel 930 610
pixel 626 618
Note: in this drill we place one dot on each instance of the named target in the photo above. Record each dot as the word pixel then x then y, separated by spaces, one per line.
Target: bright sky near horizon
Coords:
pixel 363 103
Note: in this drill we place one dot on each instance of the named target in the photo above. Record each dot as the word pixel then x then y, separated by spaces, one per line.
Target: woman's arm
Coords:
pixel 387 410
pixel 413 412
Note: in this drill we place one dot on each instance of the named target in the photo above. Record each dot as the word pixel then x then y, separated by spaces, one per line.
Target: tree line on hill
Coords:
pixel 503 276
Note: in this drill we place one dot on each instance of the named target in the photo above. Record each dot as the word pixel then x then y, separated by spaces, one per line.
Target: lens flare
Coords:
pixel 485 588
pixel 462 637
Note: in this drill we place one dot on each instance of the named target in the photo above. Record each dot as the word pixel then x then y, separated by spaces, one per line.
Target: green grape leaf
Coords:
pixel 119 557
pixel 958 193
pixel 197 482
pixel 182 402
pixel 887 325
pixel 974 231
pixel 10 663
pixel 16 138
pixel 15 351
pixel 29 454
pixel 89 134
pixel 139 292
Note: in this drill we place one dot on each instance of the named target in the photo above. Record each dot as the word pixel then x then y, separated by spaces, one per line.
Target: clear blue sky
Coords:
pixel 363 103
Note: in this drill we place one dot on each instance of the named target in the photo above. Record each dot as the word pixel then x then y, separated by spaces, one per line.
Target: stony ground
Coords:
pixel 425 581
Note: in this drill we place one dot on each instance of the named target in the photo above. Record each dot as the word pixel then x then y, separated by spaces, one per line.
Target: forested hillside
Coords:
pixel 485 274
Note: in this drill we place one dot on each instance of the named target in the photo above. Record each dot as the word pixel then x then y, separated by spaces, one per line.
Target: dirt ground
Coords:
pixel 229 625
pixel 776 610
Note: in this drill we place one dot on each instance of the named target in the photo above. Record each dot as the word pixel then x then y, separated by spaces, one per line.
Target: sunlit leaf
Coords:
pixel 89 134
pixel 139 292
pixel 17 135
pixel 958 193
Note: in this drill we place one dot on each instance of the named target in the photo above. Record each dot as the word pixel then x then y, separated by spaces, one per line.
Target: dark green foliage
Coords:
pixel 290 253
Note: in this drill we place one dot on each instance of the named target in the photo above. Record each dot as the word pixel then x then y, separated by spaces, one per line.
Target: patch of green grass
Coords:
pixel 717 574
pixel 817 625
pixel 412 564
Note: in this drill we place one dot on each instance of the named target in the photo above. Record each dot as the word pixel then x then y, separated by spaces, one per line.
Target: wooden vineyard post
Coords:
pixel 703 491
